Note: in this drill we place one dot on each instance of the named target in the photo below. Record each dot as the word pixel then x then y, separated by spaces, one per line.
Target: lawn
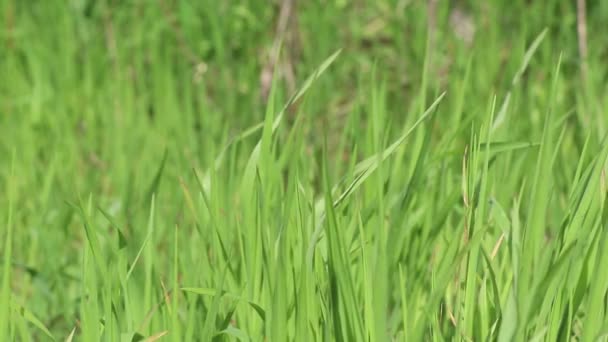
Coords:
pixel 341 170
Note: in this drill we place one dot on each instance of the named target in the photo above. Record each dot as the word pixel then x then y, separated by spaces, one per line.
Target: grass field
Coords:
pixel 342 170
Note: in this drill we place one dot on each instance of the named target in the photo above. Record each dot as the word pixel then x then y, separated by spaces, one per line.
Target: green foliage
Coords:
pixel 372 171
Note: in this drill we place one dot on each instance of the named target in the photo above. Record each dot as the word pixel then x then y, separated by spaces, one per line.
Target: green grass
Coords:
pixel 392 181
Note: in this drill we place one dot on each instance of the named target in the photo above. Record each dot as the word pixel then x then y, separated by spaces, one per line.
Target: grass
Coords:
pixel 390 178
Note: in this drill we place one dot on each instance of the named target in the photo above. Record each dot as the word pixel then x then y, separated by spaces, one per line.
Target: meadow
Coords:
pixel 341 170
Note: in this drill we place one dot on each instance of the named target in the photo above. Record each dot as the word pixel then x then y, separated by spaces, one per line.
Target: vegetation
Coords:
pixel 312 170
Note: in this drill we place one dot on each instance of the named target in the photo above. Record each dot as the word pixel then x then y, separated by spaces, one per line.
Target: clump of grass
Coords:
pixel 415 185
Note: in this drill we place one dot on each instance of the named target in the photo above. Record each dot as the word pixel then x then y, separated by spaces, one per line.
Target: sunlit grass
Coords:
pixel 403 183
